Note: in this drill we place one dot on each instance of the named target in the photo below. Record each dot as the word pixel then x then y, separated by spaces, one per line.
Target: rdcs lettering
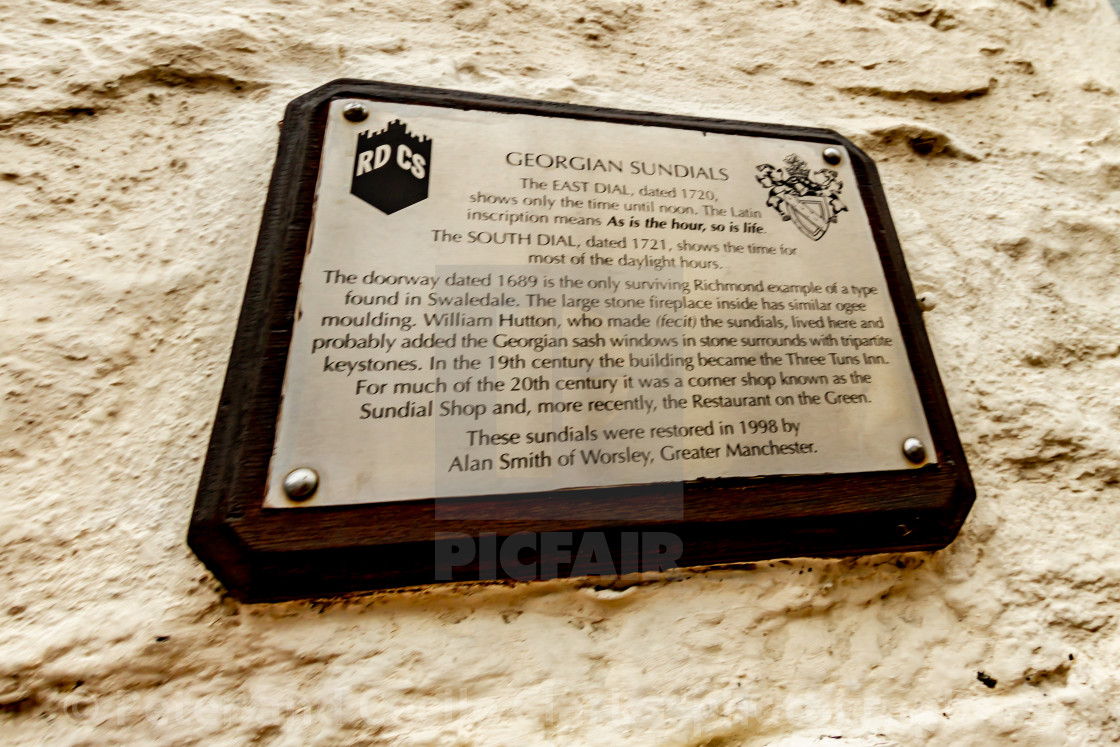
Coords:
pixel 371 160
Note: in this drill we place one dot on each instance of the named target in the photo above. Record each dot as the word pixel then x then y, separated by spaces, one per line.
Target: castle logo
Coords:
pixel 391 168
pixel 811 201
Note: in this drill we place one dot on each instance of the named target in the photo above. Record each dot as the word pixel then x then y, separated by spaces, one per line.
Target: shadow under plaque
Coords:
pixel 487 337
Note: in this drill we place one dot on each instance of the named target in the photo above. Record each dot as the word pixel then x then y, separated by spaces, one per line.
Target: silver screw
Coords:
pixel 831 156
pixel 355 112
pixel 914 450
pixel 300 484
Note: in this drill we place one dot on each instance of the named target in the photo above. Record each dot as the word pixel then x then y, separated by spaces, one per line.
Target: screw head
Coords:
pixel 300 484
pixel 831 156
pixel 914 450
pixel 355 112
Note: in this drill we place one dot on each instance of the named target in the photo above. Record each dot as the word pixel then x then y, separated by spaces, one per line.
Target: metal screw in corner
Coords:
pixel 300 484
pixel 831 156
pixel 355 112
pixel 914 450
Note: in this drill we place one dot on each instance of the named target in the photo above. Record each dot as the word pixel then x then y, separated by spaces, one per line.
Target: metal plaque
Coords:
pixel 507 303
pixel 487 337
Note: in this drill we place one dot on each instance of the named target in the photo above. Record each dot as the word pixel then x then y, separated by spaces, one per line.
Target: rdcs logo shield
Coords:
pixel 391 168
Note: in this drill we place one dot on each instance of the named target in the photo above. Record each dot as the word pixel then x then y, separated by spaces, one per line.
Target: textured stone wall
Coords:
pixel 136 139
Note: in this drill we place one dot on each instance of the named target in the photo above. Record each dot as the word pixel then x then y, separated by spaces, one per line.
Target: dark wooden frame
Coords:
pixel 262 554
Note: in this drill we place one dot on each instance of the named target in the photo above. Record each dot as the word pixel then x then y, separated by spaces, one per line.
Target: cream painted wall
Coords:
pixel 136 139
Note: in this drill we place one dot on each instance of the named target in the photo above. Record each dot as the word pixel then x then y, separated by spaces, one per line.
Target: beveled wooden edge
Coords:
pixel 260 553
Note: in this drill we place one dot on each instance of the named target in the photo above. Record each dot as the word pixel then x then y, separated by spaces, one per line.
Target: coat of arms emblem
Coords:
pixel 810 200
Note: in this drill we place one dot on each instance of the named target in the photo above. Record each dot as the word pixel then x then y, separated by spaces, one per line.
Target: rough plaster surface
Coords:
pixel 136 138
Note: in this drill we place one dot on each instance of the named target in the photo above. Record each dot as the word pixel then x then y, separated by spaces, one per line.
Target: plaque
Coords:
pixel 487 338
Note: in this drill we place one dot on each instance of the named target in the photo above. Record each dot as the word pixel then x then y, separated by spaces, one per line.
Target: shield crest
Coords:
pixel 811 201
pixel 811 214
